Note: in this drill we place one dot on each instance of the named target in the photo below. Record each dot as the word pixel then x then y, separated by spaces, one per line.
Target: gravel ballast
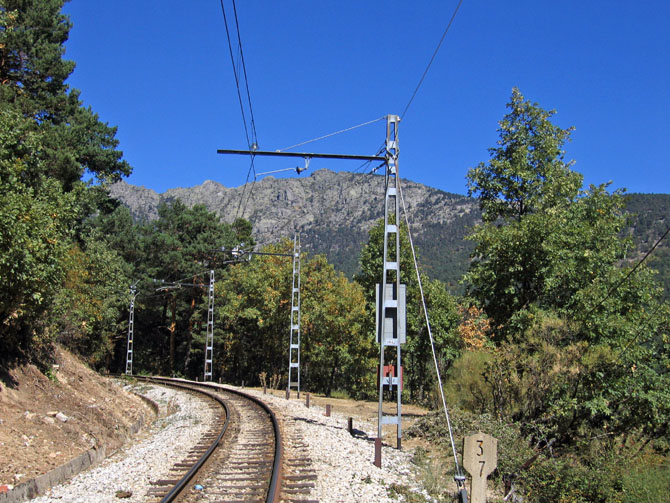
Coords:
pixel 344 463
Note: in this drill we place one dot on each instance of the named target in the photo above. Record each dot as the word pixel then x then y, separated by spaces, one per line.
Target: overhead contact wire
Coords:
pixel 235 72
pixel 252 166
pixel 246 80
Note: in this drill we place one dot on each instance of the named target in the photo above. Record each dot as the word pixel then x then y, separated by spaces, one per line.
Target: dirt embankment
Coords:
pixel 46 421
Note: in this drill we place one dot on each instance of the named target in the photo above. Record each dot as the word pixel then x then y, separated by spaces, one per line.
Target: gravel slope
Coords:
pixel 182 420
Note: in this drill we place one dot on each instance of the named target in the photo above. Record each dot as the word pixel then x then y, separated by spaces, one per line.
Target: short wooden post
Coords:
pixel 378 452
pixel 288 394
pixel 350 425
pixel 307 400
pixel 265 389
pixel 480 458
pixel 327 410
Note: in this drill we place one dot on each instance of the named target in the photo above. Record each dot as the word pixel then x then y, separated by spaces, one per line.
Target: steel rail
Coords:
pixel 274 488
pixel 179 486
pixel 275 482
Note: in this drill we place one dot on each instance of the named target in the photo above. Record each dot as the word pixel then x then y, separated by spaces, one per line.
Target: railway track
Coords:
pixel 238 460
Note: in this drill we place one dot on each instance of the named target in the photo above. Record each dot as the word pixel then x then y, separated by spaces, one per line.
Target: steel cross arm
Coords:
pixel 234 261
pixel 268 253
pixel 243 252
pixel 166 288
pixel 304 155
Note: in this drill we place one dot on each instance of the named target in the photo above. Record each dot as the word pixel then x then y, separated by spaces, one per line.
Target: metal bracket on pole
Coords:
pixel 209 340
pixel 391 303
pixel 131 329
pixel 294 340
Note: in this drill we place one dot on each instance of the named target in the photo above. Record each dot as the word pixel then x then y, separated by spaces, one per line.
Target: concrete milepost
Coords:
pixel 480 458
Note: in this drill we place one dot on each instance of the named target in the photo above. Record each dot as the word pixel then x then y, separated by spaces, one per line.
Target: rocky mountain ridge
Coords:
pixel 332 211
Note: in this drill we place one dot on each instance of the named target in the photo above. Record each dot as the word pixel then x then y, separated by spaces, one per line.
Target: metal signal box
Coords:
pixel 392 306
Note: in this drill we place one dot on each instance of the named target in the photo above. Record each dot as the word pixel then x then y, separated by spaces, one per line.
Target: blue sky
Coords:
pixel 161 72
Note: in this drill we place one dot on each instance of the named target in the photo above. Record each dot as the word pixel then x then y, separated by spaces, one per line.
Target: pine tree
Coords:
pixel 33 78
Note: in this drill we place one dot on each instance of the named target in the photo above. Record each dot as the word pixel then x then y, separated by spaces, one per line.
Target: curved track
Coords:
pixel 239 459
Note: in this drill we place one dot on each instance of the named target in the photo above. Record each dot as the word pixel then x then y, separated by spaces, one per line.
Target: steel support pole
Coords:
pixel 209 339
pixel 389 305
pixel 294 339
pixel 131 330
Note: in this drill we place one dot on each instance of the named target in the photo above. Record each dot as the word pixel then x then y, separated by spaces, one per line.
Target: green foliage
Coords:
pixel 183 245
pixel 338 354
pixel 601 478
pixel 527 172
pixel 542 239
pixel 533 469
pixel 86 310
pixel 33 73
pixel 648 222
pixel 35 228
pixel 566 479
pixel 581 357
pixel 254 311
pixel 514 448
pixel 645 479
pixel 465 386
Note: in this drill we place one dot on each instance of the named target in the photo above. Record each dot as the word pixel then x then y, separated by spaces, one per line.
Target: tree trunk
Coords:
pixel 331 380
pixel 173 328
pixel 189 336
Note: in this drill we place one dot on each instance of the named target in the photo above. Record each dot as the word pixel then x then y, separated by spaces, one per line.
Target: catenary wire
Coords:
pixel 362 167
pixel 251 192
pixel 244 189
pixel 332 134
pixel 178 282
pixel 198 273
pixel 453 16
pixel 252 166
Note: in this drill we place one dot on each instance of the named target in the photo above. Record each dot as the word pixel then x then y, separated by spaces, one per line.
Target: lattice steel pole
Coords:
pixel 294 340
pixel 131 330
pixel 390 294
pixel 209 340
